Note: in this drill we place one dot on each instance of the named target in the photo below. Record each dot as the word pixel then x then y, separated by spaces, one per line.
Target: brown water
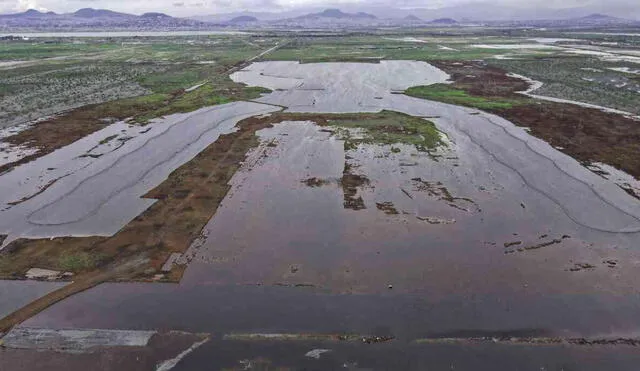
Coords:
pixel 470 248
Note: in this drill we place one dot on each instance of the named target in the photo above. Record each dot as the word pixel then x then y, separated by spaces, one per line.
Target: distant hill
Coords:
pixel 155 15
pixel 94 19
pixel 592 20
pixel 31 13
pixel 375 17
pixel 412 18
pixel 597 18
pixel 447 21
pixel 99 13
pixel 337 14
pixel 243 19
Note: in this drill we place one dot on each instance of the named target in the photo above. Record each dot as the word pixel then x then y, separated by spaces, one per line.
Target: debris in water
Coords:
pixel 439 191
pixel 387 207
pixel 350 184
pixel 534 247
pixel 316 353
pixel 315 182
pixel 577 267
pixel 377 339
pixel 434 220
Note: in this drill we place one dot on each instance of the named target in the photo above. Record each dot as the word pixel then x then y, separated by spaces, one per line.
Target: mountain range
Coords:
pixel 89 18
pixel 102 19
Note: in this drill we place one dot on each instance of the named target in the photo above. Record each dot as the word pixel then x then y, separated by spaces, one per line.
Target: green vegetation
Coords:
pixel 77 262
pixel 22 50
pixel 123 77
pixel 206 95
pixel 583 79
pixel 375 48
pixel 386 128
pixel 447 94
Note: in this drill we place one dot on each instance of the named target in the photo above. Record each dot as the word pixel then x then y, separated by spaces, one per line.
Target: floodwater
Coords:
pixel 16 294
pixel 497 231
pixel 337 87
pixel 94 186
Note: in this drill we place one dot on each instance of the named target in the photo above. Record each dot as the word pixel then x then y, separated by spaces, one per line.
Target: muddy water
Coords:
pixel 497 231
pixel 15 294
pixel 283 256
pixel 450 219
pixel 337 87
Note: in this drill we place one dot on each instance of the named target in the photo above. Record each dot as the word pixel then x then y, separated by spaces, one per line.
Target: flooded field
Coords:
pixel 94 186
pixel 329 228
pixel 342 205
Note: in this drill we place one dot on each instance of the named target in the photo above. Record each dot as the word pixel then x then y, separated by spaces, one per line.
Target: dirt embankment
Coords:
pixel 588 135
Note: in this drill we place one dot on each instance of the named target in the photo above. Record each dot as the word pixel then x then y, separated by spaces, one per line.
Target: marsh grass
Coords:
pixel 448 94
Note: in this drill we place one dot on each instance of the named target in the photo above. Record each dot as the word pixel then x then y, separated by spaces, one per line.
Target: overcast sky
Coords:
pixel 201 7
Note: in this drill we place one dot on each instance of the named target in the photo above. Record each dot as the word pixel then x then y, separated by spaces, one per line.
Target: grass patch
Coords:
pixel 390 128
pixel 207 95
pixel 448 94
pixel 384 128
pixel 77 262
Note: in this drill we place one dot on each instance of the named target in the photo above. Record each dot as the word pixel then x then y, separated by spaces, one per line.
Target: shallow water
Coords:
pixel 94 186
pixel 273 229
pixel 16 294
pixel 337 87
pixel 497 231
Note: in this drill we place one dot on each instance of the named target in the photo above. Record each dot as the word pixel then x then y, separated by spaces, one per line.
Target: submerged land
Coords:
pixel 307 187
